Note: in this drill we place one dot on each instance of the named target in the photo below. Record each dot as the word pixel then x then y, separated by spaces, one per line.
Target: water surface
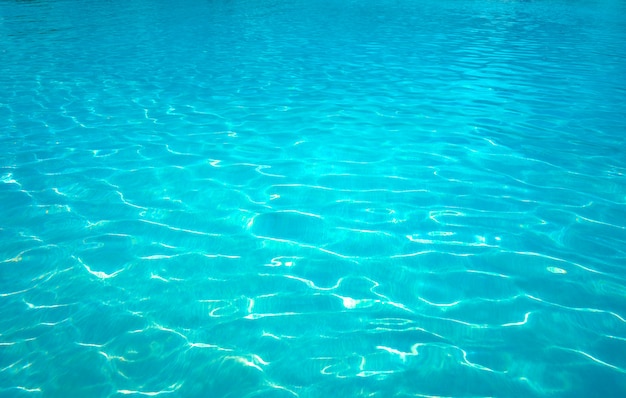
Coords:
pixel 312 198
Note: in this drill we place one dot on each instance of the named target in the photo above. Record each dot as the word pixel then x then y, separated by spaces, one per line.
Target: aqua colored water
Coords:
pixel 375 198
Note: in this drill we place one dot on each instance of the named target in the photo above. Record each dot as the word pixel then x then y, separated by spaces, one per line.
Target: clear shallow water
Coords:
pixel 312 198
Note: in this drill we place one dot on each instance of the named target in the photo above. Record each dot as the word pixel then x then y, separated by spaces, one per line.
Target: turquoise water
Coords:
pixel 377 198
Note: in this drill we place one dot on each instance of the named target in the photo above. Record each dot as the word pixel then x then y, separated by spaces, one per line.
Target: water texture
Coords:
pixel 376 198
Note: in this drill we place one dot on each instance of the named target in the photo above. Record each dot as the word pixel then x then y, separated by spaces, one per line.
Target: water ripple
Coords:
pixel 295 198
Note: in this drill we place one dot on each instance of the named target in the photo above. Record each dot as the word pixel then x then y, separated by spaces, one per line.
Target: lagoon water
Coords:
pixel 376 198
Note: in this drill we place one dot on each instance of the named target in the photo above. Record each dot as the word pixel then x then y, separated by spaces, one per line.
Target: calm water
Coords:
pixel 373 198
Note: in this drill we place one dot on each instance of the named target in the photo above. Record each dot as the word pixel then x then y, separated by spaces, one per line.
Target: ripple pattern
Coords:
pixel 309 199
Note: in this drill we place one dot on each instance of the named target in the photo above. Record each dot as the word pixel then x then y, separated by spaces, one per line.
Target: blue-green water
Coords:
pixel 337 198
